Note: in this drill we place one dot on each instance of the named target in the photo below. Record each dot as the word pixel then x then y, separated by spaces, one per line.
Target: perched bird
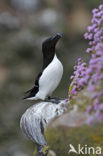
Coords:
pixel 49 78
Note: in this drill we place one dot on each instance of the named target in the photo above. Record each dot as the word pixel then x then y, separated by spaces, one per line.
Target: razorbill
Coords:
pixel 49 77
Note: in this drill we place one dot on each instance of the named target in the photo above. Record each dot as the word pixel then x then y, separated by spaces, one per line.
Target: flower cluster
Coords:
pixel 95 84
pixel 95 31
pixel 95 37
pixel 91 77
pixel 96 68
pixel 79 77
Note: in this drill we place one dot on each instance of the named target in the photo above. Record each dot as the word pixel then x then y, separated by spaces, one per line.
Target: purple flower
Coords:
pixel 100 106
pixel 66 100
pixel 79 78
pixel 99 115
pixel 99 49
pixel 101 7
pixel 91 76
pixel 89 110
pixel 91 88
pixel 90 120
pixel 95 31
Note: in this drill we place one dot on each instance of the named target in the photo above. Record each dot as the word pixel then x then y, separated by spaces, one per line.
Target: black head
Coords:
pixel 50 43
pixel 48 48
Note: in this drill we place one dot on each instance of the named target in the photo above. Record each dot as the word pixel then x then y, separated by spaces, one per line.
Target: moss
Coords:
pixel 55 138
pixel 35 151
pixel 45 150
pixel 59 138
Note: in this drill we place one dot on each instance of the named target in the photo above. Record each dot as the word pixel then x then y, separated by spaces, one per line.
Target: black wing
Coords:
pixel 32 92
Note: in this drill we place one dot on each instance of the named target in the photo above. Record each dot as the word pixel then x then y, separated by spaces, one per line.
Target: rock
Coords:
pixel 71 119
pixel 34 121
pixel 51 153
pixel 60 137
pixel 71 129
pixel 36 118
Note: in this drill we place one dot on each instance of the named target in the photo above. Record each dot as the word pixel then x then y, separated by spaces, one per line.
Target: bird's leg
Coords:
pixel 54 100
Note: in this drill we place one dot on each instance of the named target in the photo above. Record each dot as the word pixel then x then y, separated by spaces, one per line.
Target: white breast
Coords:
pixel 50 78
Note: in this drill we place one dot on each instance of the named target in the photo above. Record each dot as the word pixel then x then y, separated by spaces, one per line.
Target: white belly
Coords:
pixel 50 79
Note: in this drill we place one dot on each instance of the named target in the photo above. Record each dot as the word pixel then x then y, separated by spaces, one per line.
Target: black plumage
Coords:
pixel 48 50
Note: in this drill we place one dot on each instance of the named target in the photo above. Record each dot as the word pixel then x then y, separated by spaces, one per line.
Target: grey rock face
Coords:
pixel 36 118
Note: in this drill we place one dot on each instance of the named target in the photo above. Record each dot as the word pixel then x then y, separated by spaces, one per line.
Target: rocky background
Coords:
pixel 24 24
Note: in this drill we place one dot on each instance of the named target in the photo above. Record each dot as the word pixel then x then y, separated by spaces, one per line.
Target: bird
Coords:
pixel 52 70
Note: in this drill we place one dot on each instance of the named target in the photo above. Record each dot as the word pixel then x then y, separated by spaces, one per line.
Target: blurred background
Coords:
pixel 24 24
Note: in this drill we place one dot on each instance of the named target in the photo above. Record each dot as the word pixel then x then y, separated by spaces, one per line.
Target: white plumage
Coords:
pixel 52 70
pixel 49 79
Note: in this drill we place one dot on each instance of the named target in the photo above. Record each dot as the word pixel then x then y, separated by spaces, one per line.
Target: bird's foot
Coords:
pixel 54 100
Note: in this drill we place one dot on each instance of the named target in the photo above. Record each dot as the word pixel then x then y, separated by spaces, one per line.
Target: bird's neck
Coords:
pixel 47 59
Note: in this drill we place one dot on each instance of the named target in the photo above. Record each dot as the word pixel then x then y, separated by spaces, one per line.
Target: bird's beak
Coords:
pixel 56 38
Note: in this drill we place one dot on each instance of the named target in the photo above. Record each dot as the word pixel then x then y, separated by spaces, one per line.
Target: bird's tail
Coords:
pixel 31 93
